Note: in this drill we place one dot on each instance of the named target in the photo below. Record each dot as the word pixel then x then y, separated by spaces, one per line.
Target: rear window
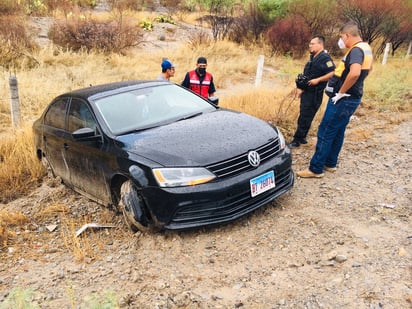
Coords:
pixel 56 114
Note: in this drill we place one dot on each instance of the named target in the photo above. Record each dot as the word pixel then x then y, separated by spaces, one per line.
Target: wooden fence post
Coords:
pixel 259 71
pixel 385 55
pixel 14 101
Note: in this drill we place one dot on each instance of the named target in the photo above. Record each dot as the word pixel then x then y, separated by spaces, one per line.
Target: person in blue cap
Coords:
pixel 168 70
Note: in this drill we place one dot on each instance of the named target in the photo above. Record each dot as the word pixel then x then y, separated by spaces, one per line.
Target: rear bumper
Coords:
pixel 222 200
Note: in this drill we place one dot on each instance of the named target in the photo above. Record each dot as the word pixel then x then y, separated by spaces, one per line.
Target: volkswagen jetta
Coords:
pixel 165 157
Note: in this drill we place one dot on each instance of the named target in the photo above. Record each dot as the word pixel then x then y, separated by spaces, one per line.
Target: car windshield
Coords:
pixel 149 107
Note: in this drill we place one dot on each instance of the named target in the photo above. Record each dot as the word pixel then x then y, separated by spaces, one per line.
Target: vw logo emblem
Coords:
pixel 254 158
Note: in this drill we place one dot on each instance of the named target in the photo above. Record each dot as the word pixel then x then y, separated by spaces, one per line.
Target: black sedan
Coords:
pixel 165 157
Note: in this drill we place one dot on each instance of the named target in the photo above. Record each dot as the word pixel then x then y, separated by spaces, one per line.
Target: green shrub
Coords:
pixel 35 7
pixel 19 299
pixel 165 19
pixel 146 25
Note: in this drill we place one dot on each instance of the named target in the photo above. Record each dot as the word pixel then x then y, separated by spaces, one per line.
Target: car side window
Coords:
pixel 56 115
pixel 80 116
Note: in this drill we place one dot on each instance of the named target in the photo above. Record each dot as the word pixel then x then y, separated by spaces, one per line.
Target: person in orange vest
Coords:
pixel 200 81
pixel 345 91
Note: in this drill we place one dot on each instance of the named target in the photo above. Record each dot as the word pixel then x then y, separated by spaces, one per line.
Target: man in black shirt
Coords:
pixel 317 71
pixel 199 80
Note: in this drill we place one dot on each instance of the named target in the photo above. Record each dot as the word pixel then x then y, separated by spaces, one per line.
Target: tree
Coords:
pixel 371 15
pixel 314 17
pixel 249 27
pixel 319 15
pixel 220 16
pixel 273 9
pixel 397 29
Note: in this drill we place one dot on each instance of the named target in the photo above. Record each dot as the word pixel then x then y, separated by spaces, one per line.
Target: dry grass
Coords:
pixel 388 88
pixel 9 219
pixel 53 210
pixel 86 246
pixel 80 247
pixel 19 169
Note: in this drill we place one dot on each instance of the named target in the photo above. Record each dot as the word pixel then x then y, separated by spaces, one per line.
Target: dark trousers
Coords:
pixel 310 101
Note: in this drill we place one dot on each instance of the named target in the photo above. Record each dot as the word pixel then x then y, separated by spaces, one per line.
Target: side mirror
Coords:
pixel 83 133
pixel 214 100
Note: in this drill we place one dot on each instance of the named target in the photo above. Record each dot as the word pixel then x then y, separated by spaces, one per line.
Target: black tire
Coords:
pixel 133 208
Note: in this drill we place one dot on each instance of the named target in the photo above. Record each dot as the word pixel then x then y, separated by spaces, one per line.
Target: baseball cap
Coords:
pixel 166 64
pixel 202 60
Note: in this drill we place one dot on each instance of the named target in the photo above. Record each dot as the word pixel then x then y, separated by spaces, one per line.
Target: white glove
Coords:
pixel 339 96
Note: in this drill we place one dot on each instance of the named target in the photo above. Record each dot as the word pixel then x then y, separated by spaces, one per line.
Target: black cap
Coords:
pixel 201 60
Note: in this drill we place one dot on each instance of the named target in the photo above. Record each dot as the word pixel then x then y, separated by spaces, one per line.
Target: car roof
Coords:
pixel 110 88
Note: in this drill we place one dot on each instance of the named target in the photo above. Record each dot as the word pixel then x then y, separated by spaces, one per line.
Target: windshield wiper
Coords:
pixel 190 116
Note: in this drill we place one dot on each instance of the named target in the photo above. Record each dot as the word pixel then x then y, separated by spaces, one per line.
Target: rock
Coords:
pixel 340 258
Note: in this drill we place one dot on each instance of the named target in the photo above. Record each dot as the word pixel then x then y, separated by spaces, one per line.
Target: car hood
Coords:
pixel 199 141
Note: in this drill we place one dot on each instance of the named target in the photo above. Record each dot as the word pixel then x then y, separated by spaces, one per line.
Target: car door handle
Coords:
pixel 65 146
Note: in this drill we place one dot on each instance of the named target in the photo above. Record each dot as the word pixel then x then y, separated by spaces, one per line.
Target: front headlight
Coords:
pixel 176 177
pixel 282 141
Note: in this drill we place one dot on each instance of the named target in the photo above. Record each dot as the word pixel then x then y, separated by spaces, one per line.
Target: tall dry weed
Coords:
pixel 16 43
pixel 19 168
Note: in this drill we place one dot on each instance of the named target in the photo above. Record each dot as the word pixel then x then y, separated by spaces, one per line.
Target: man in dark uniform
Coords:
pixel 317 71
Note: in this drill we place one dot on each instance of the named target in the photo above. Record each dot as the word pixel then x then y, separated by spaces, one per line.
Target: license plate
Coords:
pixel 262 183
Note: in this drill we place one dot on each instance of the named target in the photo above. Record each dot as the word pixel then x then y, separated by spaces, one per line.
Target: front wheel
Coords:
pixel 133 208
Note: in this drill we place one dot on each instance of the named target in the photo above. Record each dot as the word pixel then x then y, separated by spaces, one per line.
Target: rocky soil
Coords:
pixel 344 241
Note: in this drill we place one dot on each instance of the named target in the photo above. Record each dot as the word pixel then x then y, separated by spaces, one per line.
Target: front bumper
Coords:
pixel 220 201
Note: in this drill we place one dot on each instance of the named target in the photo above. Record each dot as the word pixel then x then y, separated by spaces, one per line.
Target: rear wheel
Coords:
pixel 134 209
pixel 50 178
pixel 47 167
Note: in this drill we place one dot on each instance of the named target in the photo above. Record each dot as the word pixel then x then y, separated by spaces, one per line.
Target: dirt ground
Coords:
pixel 343 241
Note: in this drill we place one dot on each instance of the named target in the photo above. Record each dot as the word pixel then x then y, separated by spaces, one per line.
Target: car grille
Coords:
pixel 233 206
pixel 241 164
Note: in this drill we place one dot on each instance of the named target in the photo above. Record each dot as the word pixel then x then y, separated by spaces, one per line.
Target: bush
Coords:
pixel 15 42
pixel 199 38
pixel 9 7
pixel 35 7
pixel 165 19
pixel 133 5
pixel 104 36
pixel 288 35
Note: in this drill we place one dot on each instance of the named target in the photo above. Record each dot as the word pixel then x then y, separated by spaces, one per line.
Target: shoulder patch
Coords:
pixel 329 64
